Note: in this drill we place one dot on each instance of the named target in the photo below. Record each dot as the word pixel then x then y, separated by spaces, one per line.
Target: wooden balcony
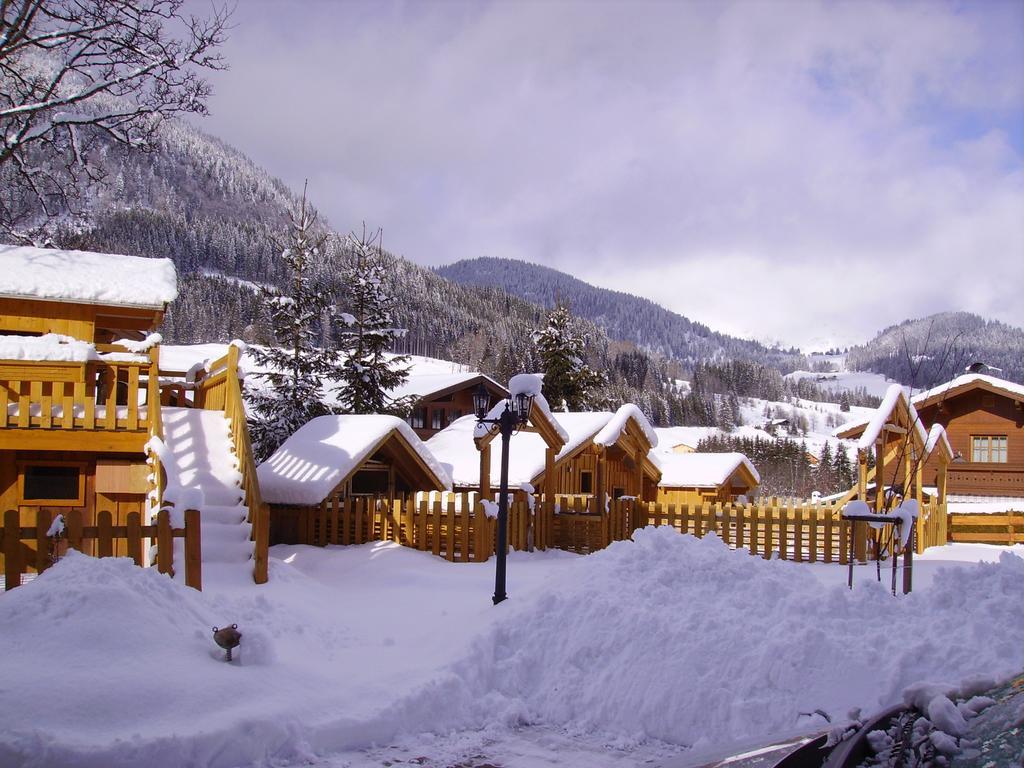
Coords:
pixel 984 479
pixel 98 405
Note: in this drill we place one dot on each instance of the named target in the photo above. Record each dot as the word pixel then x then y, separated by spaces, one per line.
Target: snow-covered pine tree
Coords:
pixel 569 383
pixel 297 365
pixel 368 373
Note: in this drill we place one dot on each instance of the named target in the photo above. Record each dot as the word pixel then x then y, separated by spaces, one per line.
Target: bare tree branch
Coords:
pixel 77 72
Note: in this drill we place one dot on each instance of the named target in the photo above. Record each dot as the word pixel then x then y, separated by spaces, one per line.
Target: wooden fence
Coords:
pixel 459 530
pixel 1005 528
pixel 19 559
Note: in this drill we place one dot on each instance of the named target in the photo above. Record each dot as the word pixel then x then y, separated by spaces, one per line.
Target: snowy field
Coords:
pixel 666 651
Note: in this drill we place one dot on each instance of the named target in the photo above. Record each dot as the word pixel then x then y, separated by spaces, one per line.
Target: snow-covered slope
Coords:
pixel 204 461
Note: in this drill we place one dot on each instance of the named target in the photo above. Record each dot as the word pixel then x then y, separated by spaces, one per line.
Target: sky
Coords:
pixel 797 172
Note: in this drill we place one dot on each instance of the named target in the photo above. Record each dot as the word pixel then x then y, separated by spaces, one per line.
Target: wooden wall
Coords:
pixel 127 477
pixel 618 474
pixel 88 322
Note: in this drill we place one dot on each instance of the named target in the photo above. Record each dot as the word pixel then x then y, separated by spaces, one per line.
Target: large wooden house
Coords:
pixel 332 460
pixel 80 377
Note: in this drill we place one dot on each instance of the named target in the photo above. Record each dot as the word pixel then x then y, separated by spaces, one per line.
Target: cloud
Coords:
pixel 851 164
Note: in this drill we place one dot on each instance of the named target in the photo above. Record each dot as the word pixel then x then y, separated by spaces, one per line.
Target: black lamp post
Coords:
pixel 511 419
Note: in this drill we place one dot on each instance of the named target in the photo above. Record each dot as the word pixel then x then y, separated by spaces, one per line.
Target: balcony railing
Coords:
pixel 110 394
pixel 986 479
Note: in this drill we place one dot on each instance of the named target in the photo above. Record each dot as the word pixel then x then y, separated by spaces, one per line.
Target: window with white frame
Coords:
pixel 988 448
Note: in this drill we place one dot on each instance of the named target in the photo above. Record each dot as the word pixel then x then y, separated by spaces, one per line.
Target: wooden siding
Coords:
pixel 448 404
pixel 88 322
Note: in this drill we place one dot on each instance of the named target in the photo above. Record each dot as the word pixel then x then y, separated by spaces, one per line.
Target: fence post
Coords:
pixel 193 550
pixel 133 531
pixel 104 534
pixel 12 548
pixel 164 543
pixel 43 521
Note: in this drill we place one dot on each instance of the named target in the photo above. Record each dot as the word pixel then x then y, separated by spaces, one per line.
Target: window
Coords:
pixel 370 482
pixel 418 419
pixel 57 485
pixel 988 448
pixel 438 418
pixel 456 414
pixel 586 482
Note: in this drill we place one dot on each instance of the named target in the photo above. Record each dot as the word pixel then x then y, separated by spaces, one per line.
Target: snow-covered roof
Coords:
pixel 456 450
pixel 873 426
pixel 324 451
pixel 700 470
pixel 1009 387
pixel 425 384
pixel 527 384
pixel 937 436
pixel 84 276
pixel 612 431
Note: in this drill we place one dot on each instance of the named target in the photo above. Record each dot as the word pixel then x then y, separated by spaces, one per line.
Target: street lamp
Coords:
pixel 514 416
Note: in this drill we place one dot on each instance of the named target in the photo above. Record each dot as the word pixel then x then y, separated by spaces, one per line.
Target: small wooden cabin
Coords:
pixel 332 459
pixel 695 478
pixel 444 398
pixel 594 455
pixel 75 410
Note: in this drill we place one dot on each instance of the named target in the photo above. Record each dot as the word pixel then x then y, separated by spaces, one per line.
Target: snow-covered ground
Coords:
pixel 665 650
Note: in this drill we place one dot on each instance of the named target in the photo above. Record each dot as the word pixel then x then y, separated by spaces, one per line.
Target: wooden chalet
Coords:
pixel 695 478
pixel 903 451
pixel 983 418
pixel 589 455
pixel 80 398
pixel 333 460
pixel 443 398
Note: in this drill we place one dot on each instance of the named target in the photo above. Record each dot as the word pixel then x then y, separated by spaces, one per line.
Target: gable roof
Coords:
pixel 327 450
pixel 894 410
pixel 965 383
pixel 51 274
pixel 702 470
pixel 434 385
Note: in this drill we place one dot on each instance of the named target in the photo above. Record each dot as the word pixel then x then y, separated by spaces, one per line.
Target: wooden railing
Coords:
pixel 1005 528
pixel 19 558
pixel 93 395
pixel 988 479
pixel 218 389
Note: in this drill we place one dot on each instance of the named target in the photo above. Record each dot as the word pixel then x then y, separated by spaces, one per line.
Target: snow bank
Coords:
pixel 680 639
pixel 97 278
pixel 50 347
pixel 326 450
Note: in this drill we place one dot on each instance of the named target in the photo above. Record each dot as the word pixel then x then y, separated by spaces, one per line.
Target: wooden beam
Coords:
pixel 600 492
pixel 100 441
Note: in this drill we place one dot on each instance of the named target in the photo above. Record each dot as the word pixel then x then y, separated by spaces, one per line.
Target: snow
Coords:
pixel 837 381
pixel 456 450
pixel 525 384
pixel 323 452
pixel 612 431
pixel 936 436
pixel 699 470
pixel 50 347
pixel 348 647
pixel 83 276
pixel 139 347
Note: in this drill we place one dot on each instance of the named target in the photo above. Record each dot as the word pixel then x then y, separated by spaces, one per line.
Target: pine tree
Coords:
pixel 368 373
pixel 569 383
pixel 824 475
pixel 296 366
pixel 843 469
pixel 844 401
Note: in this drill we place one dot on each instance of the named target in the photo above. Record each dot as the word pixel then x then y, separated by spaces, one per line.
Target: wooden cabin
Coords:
pixel 983 418
pixel 443 398
pixel 74 408
pixel 333 459
pixel 902 448
pixel 695 478
pixel 589 455
pixel 80 397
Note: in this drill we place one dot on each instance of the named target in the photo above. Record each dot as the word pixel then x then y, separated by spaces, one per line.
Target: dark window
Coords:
pixel 51 482
pixel 439 418
pixel 418 420
pixel 456 414
pixel 370 482
pixel 618 492
pixel 586 482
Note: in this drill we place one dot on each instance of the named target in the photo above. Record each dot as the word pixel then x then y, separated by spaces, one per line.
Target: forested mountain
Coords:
pixel 933 349
pixel 621 315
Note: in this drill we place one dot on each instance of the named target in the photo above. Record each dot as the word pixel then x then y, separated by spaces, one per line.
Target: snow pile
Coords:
pixel 326 450
pixel 50 347
pixel 680 639
pixel 611 432
pixel 139 347
pixel 98 278
pixel 699 470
